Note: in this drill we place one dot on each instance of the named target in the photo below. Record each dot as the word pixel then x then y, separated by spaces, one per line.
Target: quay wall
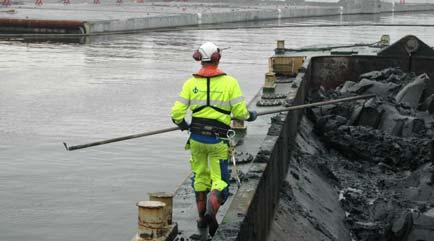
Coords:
pixel 194 19
pixel 137 24
pixel 378 6
pixel 236 13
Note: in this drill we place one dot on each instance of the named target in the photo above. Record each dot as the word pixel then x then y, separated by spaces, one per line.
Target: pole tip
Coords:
pixel 66 146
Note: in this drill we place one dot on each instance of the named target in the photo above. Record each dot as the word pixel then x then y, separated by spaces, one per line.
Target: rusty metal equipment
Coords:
pixel 167 199
pixel 151 220
pixel 155 218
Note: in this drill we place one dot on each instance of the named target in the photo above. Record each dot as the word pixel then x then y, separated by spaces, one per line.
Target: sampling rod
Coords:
pixel 123 138
pixel 315 104
pixel 156 132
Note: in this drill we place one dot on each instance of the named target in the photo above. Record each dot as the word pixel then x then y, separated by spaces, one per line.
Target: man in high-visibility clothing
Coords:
pixel 212 97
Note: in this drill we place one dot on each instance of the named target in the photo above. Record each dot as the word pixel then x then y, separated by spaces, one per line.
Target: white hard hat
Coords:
pixel 207 50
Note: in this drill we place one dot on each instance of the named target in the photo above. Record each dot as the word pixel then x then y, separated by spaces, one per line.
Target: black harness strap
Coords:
pixel 208 101
pixel 208 83
pixel 209 127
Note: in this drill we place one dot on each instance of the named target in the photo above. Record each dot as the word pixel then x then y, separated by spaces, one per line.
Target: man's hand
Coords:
pixel 183 125
pixel 252 115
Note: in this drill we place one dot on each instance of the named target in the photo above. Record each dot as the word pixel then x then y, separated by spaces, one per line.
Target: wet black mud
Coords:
pixel 373 156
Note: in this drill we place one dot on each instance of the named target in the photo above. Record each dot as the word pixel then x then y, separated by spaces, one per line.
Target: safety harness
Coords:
pixel 208 91
pixel 204 126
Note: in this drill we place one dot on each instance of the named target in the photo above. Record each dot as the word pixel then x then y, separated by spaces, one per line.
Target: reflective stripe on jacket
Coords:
pixel 225 93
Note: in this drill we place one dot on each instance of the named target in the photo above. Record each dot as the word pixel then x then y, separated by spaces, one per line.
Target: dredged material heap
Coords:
pixel 379 154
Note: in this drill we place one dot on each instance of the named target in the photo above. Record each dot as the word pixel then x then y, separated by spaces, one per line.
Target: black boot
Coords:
pixel 212 207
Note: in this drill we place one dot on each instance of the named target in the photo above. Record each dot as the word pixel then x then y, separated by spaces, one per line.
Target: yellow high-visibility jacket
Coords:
pixel 225 97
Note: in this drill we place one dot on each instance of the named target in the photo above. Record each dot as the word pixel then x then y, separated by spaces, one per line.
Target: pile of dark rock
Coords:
pixel 385 173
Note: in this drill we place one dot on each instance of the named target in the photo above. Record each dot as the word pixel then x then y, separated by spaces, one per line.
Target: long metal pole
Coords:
pixel 328 102
pixel 123 138
pixel 156 132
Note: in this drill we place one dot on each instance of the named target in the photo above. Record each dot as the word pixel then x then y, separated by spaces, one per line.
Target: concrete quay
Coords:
pixel 87 18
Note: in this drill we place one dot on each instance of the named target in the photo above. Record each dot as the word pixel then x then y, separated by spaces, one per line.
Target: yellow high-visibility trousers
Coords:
pixel 209 163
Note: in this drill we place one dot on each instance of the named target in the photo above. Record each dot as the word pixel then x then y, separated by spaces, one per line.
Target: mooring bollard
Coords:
pixel 280 44
pixel 151 220
pixel 166 198
pixel 270 83
pixel 280 47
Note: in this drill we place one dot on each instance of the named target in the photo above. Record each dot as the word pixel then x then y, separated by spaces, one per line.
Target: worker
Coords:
pixel 212 96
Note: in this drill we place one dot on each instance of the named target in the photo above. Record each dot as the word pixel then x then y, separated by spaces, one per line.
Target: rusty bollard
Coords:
pixel 152 220
pixel 166 198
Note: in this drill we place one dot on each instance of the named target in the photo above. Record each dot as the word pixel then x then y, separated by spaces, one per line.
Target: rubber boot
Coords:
pixel 202 225
pixel 212 207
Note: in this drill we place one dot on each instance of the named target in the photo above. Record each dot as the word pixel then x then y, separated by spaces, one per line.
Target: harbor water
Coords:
pixel 117 85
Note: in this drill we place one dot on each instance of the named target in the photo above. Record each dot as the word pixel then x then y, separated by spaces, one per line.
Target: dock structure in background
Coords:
pixel 108 17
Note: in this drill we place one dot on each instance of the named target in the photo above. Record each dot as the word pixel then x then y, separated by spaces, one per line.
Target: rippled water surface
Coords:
pixel 117 85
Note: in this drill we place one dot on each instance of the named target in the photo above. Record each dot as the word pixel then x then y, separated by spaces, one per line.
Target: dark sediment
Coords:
pixel 374 156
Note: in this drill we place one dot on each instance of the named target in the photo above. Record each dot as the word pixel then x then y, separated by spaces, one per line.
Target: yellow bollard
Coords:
pixel 280 47
pixel 385 40
pixel 166 198
pixel 270 82
pixel 151 220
